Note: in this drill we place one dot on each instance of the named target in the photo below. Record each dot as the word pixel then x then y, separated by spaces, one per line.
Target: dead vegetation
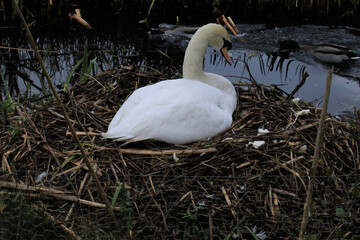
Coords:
pixel 215 189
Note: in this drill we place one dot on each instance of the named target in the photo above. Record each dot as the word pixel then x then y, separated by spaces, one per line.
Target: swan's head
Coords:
pixel 217 37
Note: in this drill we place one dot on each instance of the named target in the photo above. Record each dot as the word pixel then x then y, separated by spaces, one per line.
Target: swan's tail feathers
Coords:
pixel 123 137
pixel 116 137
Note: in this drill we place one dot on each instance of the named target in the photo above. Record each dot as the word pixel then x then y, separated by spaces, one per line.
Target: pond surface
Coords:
pixel 164 52
pixel 345 85
pixel 255 49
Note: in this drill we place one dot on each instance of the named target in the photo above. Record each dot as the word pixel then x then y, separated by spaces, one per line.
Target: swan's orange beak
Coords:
pixel 226 55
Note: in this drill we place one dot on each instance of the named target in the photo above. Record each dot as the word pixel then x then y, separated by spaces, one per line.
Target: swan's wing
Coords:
pixel 137 100
pixel 131 112
pixel 174 111
pixel 187 122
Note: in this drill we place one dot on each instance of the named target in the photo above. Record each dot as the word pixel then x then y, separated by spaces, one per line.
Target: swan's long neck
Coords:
pixel 193 67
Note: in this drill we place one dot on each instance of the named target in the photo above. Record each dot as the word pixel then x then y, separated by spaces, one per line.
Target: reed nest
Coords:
pixel 216 189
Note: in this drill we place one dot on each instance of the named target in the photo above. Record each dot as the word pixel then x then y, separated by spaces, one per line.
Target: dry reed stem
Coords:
pixel 53 193
pixel 229 204
pixel 314 166
pixel 71 233
pixel 55 94
pixel 159 189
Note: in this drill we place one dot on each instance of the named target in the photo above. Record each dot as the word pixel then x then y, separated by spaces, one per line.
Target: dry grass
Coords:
pixel 210 189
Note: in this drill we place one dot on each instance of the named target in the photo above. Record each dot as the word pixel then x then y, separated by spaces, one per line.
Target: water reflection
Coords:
pixel 21 69
pixel 287 73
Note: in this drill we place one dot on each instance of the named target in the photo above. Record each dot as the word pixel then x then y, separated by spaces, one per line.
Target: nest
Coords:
pixel 241 184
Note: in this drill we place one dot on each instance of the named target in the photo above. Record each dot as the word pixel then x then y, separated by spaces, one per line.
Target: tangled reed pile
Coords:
pixel 222 188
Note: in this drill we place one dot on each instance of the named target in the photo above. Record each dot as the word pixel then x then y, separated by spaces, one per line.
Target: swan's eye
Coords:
pixel 227 44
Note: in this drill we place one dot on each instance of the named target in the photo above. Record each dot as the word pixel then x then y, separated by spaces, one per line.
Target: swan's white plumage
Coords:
pixel 180 111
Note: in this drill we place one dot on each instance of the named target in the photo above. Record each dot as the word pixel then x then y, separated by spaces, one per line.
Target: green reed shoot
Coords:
pixel 86 67
pixel 44 88
pixel 7 105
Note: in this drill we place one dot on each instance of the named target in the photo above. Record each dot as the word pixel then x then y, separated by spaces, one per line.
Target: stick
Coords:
pixel 78 195
pixel 8 27
pixel 228 201
pixel 160 152
pixel 25 187
pixel 71 233
pixel 286 163
pixel 2 8
pixel 303 80
pixel 223 18
pixel 319 140
pixel 71 127
pixel 168 152
pixel 53 193
pixel 233 24
pixel 211 234
pixel 6 163
pixel 158 206
pixel 83 133
pixel 25 49
pixel 79 200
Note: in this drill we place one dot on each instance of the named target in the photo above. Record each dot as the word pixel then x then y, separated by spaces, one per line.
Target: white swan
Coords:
pixel 181 111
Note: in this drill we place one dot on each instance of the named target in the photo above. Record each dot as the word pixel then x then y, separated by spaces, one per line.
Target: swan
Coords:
pixel 328 53
pixel 196 107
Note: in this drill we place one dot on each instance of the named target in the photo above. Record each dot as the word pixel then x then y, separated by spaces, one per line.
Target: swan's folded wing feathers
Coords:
pixel 136 114
pixel 172 112
pixel 138 97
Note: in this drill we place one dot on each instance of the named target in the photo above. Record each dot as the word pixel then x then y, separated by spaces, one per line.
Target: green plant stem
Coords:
pixel 71 73
pixel 71 127
pixel 8 95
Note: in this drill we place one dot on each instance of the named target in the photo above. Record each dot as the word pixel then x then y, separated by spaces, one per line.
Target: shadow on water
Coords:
pixel 252 61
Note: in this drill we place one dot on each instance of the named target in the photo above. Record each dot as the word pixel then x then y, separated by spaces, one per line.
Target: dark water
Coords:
pixel 258 41
pixel 164 52
pixel 345 85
